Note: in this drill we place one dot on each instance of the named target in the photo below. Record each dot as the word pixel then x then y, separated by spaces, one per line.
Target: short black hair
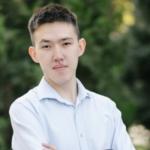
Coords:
pixel 50 14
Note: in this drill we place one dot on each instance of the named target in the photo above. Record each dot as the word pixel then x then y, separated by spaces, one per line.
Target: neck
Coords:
pixel 67 90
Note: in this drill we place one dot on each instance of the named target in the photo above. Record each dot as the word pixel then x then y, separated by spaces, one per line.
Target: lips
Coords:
pixel 59 67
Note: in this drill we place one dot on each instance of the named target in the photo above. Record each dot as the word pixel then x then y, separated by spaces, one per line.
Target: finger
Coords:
pixel 48 145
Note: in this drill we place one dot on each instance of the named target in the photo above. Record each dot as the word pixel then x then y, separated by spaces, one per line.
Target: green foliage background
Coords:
pixel 101 69
pixel 136 74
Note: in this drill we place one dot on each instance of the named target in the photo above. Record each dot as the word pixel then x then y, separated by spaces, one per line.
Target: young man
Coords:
pixel 60 114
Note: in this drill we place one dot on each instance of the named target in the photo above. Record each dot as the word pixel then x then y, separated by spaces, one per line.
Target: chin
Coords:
pixel 60 81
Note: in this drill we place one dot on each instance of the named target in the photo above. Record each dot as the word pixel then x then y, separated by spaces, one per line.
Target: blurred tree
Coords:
pixel 136 72
pixel 99 69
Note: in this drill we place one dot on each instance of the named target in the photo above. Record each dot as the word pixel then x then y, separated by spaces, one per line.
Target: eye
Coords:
pixel 67 43
pixel 46 46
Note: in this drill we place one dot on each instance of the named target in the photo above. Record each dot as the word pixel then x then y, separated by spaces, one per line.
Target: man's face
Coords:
pixel 57 50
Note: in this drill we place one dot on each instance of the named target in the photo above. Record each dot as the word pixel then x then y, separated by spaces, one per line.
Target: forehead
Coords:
pixel 54 31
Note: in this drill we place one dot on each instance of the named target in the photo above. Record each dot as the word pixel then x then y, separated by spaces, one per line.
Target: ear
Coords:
pixel 32 53
pixel 82 45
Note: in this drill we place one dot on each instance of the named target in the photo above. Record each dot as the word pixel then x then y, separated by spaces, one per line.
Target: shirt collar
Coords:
pixel 82 92
pixel 45 90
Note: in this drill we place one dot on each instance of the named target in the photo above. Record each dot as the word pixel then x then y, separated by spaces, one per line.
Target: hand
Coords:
pixel 48 146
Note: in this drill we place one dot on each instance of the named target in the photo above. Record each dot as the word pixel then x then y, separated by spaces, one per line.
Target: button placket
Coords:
pixel 80 128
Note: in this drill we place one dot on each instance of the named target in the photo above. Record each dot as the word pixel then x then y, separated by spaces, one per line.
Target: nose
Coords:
pixel 58 54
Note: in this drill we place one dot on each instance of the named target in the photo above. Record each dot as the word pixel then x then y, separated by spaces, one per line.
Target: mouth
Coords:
pixel 59 67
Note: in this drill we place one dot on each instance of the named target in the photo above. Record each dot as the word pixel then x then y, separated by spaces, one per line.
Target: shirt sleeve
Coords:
pixel 27 127
pixel 121 139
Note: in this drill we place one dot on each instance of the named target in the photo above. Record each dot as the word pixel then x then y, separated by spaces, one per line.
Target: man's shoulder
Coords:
pixel 102 101
pixel 30 98
pixel 25 106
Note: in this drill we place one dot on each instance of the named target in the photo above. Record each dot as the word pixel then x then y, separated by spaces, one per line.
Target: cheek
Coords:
pixel 75 56
pixel 75 51
pixel 73 60
pixel 44 58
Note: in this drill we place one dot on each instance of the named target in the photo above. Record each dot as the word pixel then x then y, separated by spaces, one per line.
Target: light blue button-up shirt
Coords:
pixel 42 115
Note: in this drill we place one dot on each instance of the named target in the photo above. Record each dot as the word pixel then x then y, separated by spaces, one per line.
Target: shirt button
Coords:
pixel 81 135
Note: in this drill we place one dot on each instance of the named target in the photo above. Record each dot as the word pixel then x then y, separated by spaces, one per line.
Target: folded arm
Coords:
pixel 28 129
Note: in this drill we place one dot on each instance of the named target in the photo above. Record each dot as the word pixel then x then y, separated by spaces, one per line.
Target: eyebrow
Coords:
pixel 67 38
pixel 48 41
